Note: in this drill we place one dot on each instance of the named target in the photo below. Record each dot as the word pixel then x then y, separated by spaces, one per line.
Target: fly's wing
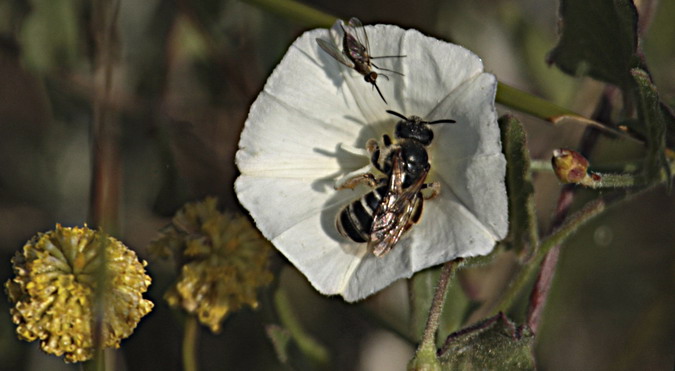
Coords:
pixel 334 52
pixel 360 34
pixel 395 213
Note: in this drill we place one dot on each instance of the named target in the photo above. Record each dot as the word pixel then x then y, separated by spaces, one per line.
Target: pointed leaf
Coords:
pixel 599 38
pixel 650 114
pixel 522 218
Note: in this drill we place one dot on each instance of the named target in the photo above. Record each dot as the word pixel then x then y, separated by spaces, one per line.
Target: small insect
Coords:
pixel 384 214
pixel 356 53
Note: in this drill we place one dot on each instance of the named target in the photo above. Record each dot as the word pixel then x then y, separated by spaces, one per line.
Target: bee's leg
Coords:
pixel 379 156
pixel 372 147
pixel 386 139
pixel 432 190
pixel 357 180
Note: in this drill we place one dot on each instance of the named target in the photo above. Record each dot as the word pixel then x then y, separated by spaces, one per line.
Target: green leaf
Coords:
pixel 494 344
pixel 522 217
pixel 599 39
pixel 650 114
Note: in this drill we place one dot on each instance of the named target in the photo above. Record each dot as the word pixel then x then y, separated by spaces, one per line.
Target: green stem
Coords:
pixel 425 357
pixel 581 217
pixel 306 343
pixel 190 332
pixel 296 11
pixel 528 103
pixel 429 336
pixel 608 180
pixel 541 165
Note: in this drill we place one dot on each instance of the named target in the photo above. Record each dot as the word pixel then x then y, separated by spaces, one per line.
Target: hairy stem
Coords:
pixel 429 335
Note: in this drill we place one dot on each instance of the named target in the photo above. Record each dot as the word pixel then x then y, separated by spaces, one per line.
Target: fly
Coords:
pixel 355 52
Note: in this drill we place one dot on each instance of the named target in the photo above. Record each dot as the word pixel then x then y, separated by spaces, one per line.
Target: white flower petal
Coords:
pixel 308 129
pixel 467 155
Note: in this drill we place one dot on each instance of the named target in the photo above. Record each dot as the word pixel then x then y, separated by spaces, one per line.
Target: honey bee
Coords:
pixel 382 216
pixel 356 53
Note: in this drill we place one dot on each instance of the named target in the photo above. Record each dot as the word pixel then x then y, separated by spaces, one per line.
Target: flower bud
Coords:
pixel 570 166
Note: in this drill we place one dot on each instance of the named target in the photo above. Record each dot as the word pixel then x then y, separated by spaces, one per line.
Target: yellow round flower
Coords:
pixel 223 261
pixel 55 291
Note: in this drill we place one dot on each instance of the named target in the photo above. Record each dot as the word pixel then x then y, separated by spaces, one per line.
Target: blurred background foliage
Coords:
pixel 184 74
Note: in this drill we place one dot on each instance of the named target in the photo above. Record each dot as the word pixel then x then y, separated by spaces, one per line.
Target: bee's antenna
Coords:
pixel 448 121
pixel 397 114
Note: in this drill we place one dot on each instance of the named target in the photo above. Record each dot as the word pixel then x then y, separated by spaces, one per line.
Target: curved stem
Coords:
pixel 307 344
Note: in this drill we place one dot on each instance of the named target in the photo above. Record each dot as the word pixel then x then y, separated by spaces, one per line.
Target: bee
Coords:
pixel 356 52
pixel 383 215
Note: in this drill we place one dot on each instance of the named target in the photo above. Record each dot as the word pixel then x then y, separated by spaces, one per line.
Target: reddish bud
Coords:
pixel 570 166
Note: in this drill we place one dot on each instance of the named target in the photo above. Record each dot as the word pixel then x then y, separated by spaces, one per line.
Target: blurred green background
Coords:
pixel 183 76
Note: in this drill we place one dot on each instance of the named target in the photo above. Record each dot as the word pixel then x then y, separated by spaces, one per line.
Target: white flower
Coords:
pixel 307 131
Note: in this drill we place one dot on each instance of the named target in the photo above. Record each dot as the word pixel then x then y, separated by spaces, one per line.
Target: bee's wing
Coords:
pixel 400 221
pixel 396 210
pixel 359 32
pixel 334 52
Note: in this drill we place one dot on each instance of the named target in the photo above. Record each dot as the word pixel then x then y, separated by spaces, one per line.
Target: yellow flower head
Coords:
pixel 55 290
pixel 223 261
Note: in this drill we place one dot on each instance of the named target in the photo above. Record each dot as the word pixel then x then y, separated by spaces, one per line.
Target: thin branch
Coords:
pixel 190 337
pixel 429 336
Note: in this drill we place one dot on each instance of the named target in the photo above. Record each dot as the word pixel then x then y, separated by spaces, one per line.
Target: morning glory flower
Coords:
pixel 306 134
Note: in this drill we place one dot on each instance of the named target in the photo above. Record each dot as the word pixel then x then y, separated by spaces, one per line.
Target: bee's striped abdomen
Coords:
pixel 356 219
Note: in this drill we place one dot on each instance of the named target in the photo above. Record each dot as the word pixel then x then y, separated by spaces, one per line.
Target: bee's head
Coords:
pixel 415 128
